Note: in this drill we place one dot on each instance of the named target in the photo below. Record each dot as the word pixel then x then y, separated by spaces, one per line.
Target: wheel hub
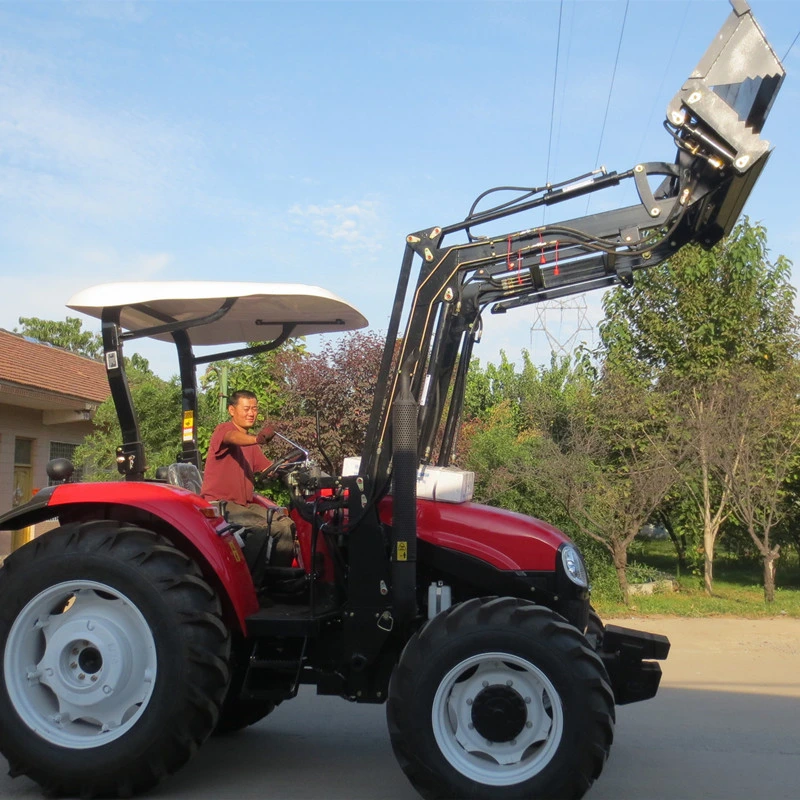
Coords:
pixel 499 713
pixel 80 664
pixel 85 661
pixel 497 718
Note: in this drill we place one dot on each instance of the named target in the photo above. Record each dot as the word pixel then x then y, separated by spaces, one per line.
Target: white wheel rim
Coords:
pixel 80 664
pixel 514 682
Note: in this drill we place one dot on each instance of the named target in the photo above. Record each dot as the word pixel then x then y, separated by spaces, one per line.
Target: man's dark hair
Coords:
pixel 240 394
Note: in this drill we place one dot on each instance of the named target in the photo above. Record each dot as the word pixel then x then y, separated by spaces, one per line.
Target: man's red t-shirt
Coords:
pixel 230 468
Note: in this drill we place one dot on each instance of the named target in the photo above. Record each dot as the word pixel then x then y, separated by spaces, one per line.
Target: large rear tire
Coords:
pixel 115 659
pixel 500 699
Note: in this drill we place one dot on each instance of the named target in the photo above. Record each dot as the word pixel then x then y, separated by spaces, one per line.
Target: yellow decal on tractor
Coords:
pixel 188 426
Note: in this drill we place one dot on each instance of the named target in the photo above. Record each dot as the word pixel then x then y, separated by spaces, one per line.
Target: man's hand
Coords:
pixel 265 434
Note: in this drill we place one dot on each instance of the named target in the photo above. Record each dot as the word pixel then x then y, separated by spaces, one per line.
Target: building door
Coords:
pixel 23 485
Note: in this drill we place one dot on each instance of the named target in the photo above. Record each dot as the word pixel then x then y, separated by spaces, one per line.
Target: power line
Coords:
pixel 564 77
pixel 553 103
pixel 657 95
pixel 611 88
pixel 791 46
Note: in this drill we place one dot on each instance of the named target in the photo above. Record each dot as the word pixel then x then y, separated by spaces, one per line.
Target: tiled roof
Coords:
pixel 52 369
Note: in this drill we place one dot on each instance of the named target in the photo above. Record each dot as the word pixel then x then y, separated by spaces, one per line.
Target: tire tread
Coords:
pixel 191 601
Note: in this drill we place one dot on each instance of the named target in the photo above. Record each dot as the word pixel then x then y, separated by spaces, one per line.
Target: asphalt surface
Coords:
pixel 725 724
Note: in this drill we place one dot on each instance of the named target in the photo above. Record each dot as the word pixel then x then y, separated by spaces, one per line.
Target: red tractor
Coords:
pixel 134 630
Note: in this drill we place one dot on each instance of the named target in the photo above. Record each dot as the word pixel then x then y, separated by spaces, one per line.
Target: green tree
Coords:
pixel 67 334
pixel 508 439
pixel 765 424
pixel 158 406
pixel 338 383
pixel 261 373
pixel 487 388
pixel 681 328
pixel 604 468
pixel 703 310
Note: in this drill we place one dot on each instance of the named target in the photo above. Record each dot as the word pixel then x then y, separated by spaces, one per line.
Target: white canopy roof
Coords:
pixel 258 315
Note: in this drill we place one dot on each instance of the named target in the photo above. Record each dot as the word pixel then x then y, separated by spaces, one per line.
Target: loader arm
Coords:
pixel 451 275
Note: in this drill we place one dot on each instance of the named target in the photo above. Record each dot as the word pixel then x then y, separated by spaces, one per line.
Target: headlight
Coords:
pixel 573 565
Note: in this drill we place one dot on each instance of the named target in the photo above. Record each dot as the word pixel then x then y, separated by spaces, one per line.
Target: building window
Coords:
pixel 23 471
pixel 64 450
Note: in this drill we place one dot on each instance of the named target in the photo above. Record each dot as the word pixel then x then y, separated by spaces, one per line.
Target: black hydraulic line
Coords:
pixel 567 193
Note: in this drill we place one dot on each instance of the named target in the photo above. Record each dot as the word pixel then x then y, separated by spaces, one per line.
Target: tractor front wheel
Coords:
pixel 500 699
pixel 114 659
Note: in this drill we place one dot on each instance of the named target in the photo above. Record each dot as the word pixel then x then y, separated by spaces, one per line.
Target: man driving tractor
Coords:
pixel 234 459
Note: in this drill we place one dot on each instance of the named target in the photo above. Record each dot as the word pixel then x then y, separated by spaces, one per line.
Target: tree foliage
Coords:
pixel 704 310
pixel 764 424
pixel 682 329
pixel 338 383
pixel 65 333
pixel 260 373
pixel 604 468
pixel 158 405
pixel 510 437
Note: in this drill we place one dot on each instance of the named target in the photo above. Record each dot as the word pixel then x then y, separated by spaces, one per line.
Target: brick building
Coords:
pixel 48 397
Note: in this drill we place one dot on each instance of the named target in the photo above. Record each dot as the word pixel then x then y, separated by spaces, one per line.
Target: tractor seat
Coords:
pixel 185 475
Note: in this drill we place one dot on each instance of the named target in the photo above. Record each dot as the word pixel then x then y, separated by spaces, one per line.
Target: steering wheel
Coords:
pixel 279 468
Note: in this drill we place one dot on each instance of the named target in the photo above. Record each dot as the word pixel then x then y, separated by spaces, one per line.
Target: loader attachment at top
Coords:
pixel 727 98
pixel 719 114
pixel 452 274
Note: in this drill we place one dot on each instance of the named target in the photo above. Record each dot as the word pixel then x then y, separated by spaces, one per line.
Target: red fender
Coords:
pixel 198 529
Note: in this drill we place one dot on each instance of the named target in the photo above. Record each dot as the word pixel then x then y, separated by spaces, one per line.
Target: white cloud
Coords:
pixel 345 225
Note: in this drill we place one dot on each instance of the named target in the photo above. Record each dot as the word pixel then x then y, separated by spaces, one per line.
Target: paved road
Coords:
pixel 725 724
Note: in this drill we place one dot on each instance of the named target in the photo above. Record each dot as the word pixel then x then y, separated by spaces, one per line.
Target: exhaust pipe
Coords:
pixel 404 488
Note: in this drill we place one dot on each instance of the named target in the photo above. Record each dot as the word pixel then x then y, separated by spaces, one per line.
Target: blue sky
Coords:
pixel 301 142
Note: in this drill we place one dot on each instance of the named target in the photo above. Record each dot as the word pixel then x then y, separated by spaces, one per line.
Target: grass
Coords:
pixel 738 590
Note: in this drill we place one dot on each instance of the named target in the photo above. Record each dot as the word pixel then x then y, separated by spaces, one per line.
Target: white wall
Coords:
pixel 27 424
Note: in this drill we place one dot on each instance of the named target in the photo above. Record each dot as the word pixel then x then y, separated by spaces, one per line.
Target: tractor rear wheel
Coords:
pixel 115 659
pixel 502 699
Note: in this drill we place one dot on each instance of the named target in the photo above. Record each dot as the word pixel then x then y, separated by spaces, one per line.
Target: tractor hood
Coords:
pixel 504 539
